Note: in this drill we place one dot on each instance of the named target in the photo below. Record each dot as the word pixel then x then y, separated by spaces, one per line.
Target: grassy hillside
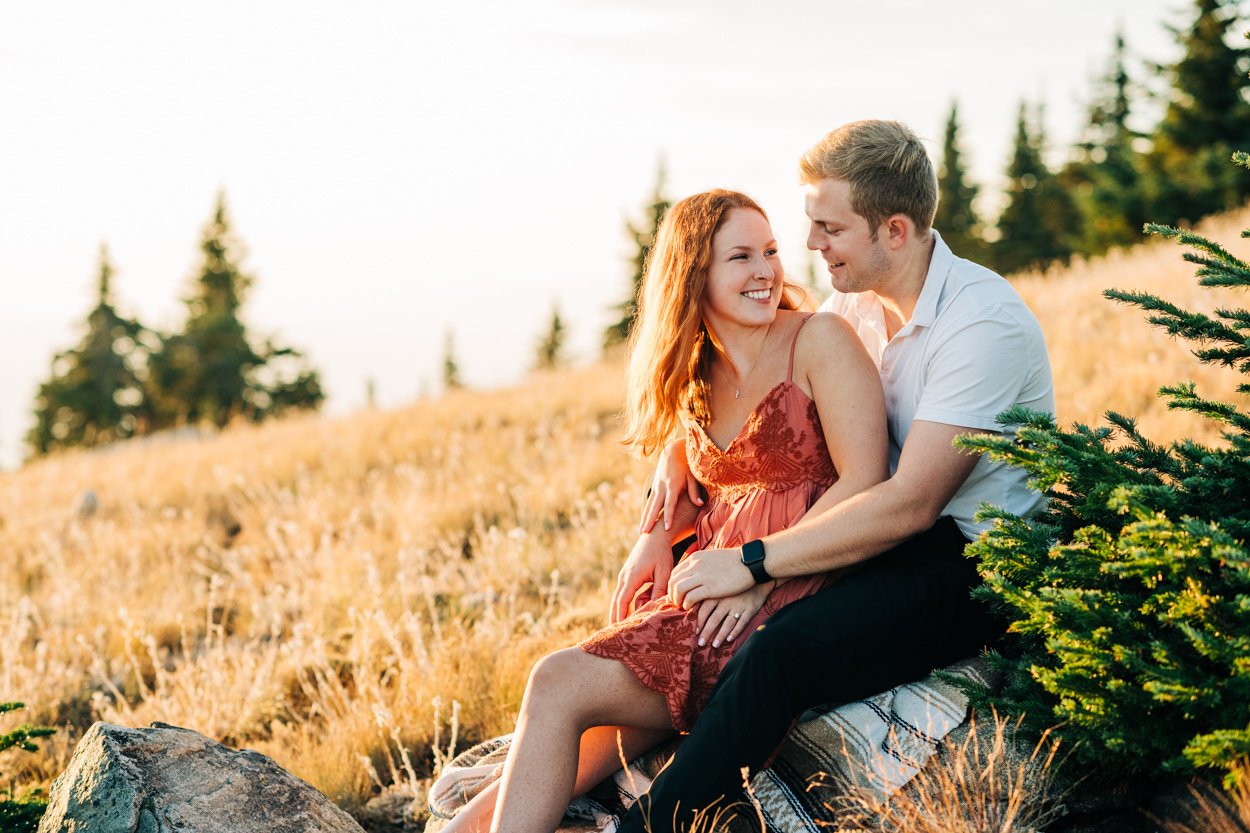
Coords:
pixel 320 590
pixel 348 595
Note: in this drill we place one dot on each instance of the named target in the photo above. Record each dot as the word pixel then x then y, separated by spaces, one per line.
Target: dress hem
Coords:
pixel 669 695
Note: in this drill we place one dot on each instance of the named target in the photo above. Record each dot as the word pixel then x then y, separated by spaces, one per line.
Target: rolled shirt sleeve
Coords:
pixel 976 371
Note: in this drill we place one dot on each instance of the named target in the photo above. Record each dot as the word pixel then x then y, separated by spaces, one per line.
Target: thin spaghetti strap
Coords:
pixel 790 372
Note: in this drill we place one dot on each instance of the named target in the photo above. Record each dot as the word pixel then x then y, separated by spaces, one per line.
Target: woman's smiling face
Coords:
pixel 744 280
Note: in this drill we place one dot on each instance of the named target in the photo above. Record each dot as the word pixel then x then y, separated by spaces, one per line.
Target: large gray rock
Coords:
pixel 169 780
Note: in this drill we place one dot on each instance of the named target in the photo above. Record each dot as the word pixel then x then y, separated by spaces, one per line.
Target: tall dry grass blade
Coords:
pixel 1213 811
pixel 985 784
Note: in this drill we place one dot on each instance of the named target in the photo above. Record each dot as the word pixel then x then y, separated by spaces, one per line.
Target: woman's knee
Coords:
pixel 551 675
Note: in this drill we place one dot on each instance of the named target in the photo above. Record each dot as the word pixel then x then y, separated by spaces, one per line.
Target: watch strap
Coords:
pixel 753 560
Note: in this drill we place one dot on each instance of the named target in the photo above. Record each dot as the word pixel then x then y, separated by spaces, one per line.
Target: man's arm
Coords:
pixel 985 362
pixel 930 472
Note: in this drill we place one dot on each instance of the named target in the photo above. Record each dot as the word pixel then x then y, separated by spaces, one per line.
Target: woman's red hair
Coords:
pixel 670 353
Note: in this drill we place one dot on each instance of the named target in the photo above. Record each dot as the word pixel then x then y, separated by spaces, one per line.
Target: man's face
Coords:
pixel 856 261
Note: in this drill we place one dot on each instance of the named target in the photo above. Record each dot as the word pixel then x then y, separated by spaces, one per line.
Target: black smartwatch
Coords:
pixel 753 560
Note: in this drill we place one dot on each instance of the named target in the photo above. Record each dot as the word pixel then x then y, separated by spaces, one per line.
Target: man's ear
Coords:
pixel 899 230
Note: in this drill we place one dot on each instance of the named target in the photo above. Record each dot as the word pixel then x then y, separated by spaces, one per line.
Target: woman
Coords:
pixel 779 407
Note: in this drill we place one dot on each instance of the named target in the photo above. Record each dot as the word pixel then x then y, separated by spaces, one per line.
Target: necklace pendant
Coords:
pixel 737 393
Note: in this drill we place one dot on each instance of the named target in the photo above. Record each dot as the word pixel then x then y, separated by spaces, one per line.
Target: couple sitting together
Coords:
pixel 828 561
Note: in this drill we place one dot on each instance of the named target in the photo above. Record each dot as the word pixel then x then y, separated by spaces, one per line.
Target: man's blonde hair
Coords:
pixel 886 166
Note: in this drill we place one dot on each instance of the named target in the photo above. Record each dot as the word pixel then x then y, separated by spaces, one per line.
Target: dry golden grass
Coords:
pixel 985 783
pixel 1211 811
pixel 318 589
pixel 338 593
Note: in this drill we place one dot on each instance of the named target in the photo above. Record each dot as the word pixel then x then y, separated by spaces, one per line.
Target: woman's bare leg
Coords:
pixel 598 757
pixel 475 816
pixel 569 692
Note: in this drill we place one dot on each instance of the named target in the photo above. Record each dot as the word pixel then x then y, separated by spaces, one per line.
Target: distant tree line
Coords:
pixel 125 379
pixel 1115 176
pixel 1114 179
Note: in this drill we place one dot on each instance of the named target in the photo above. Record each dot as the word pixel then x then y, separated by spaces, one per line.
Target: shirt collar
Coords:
pixel 940 264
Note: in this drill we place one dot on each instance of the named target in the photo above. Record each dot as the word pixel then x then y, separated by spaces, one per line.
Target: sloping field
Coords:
pixel 347 595
pixel 320 590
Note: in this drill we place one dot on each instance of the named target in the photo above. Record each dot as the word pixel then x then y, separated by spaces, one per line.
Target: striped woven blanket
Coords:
pixel 875 744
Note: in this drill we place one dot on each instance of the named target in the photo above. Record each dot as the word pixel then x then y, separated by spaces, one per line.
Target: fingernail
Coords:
pixel 701 642
pixel 716 643
pixel 730 638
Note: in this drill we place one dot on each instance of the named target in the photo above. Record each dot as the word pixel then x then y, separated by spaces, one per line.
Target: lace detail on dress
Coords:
pixel 773 452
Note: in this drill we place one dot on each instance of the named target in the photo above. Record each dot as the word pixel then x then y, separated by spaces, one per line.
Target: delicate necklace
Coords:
pixel 737 388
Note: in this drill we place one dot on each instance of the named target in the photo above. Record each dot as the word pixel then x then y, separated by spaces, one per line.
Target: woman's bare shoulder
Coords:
pixel 828 343
pixel 827 332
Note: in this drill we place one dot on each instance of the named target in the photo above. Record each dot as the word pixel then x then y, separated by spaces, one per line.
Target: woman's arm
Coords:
pixel 650 561
pixel 672 481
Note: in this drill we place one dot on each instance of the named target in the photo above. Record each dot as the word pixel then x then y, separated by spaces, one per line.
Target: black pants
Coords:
pixel 891 620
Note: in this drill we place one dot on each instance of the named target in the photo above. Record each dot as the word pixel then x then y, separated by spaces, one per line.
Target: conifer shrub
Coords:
pixel 21 814
pixel 1129 597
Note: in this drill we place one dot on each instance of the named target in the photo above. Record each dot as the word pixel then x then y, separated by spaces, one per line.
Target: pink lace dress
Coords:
pixel 764 481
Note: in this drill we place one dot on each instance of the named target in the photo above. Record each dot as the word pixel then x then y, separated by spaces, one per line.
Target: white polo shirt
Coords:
pixel 971 350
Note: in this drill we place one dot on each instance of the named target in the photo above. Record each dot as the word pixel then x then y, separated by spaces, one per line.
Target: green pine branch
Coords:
pixel 21 814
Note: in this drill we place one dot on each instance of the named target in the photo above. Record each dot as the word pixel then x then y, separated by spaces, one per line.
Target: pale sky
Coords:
pixel 397 169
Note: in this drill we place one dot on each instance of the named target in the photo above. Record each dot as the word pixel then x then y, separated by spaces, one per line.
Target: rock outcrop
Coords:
pixel 164 779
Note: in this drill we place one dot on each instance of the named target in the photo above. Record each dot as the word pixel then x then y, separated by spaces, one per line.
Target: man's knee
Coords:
pixel 771 643
pixel 779 659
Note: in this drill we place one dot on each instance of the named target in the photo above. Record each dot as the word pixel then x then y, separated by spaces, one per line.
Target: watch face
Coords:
pixel 753 552
pixel 753 559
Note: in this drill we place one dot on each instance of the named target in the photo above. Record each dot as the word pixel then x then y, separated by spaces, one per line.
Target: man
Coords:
pixel 955 346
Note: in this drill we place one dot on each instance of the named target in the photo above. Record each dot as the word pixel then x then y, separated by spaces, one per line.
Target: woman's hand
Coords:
pixel 672 479
pixel 723 620
pixel 651 560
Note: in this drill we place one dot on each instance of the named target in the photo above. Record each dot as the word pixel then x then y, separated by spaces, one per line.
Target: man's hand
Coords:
pixel 672 480
pixel 708 574
pixel 651 560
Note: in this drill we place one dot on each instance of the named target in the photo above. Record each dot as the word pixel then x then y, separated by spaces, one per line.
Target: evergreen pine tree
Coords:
pixel 643 236
pixel 210 371
pixel 1034 227
pixel 1206 119
pixel 1105 171
pixel 21 814
pixel 451 368
pixel 551 345
pixel 95 393
pixel 1130 595
pixel 956 218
